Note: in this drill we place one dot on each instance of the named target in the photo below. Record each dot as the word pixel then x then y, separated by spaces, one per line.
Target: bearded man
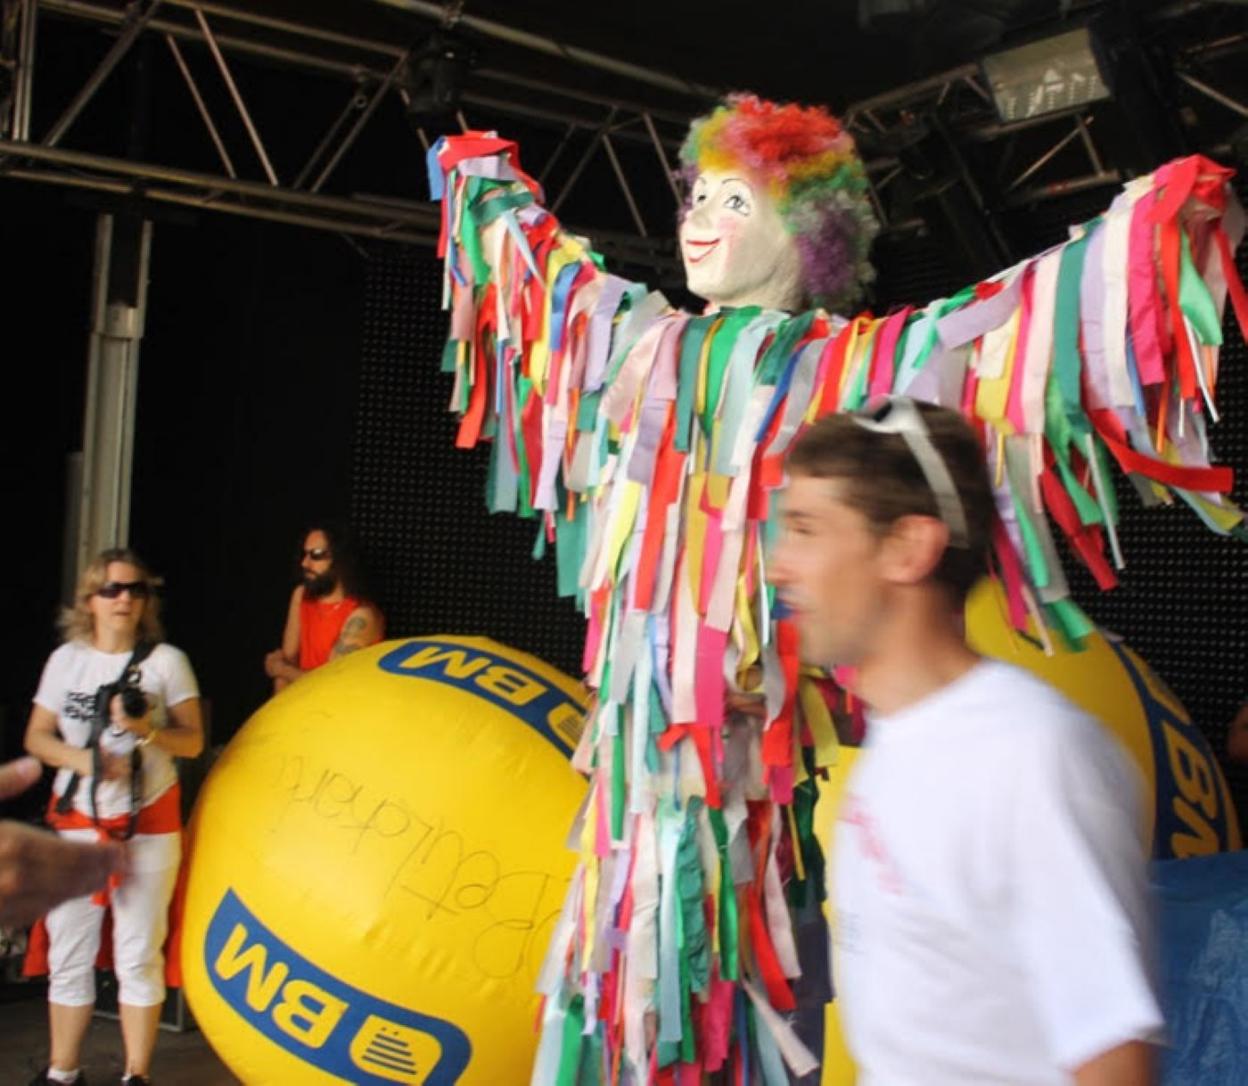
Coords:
pixel 329 615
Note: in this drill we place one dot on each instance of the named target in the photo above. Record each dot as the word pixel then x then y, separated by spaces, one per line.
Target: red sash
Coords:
pixel 162 815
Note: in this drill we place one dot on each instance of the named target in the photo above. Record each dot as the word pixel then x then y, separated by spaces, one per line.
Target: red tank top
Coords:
pixel 319 627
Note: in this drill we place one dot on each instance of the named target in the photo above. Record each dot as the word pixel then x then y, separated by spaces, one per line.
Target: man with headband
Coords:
pixel 992 918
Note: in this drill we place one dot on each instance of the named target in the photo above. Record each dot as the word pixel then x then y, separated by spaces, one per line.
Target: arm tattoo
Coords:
pixel 351 637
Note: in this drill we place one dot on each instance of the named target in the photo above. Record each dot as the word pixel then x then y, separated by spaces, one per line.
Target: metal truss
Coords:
pixel 371 71
pixel 633 136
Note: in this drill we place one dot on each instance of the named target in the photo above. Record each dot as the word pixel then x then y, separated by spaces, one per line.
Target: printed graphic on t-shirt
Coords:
pixel 855 813
pixel 79 705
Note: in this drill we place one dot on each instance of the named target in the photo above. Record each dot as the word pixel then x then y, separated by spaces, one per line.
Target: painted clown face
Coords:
pixel 735 246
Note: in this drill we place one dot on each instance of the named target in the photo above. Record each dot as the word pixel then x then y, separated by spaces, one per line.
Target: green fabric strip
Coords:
pixel 786 339
pixel 570 1048
pixel 1070 621
pixel 687 377
pixel 523 387
pixel 658 722
pixel 1067 363
pixel 587 412
pixel 619 785
pixel 729 924
pixel 570 547
pixel 489 211
pixel 722 345
pixel 449 353
pixel 1195 299
pixel 1031 545
pixel 811 890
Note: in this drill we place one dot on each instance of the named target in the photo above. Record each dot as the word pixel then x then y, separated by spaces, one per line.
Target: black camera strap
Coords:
pixel 100 722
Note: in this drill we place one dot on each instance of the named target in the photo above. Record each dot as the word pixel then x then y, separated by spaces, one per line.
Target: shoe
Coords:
pixel 42 1079
pixel 136 1080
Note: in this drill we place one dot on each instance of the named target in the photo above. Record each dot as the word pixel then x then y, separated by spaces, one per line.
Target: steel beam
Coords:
pixel 1212 92
pixel 428 215
pixel 237 96
pixel 23 78
pixel 135 23
pixel 550 47
pixel 210 202
pixel 200 105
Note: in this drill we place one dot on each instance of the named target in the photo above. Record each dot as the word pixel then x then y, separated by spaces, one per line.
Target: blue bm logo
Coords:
pixel 317 1017
pixel 545 708
pixel 1198 819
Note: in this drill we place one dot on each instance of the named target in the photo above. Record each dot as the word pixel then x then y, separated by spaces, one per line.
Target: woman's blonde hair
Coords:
pixel 77 623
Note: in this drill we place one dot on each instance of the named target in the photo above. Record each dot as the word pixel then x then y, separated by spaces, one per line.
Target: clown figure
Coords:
pixel 650 443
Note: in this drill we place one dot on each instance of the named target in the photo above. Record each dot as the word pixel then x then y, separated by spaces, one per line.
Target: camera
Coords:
pixel 133 700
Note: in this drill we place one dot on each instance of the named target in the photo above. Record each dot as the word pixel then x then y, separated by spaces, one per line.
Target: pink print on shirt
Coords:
pixel 855 813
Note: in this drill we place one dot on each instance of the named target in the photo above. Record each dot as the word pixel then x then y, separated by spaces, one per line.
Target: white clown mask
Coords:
pixel 735 246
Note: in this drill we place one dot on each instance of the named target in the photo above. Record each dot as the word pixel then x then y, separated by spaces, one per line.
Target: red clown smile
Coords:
pixel 698 251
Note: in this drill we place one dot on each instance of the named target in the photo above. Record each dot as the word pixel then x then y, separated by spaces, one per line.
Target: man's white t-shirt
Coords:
pixel 992 922
pixel 71 677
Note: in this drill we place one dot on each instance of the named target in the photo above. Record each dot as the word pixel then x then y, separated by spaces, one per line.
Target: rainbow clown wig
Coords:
pixel 810 168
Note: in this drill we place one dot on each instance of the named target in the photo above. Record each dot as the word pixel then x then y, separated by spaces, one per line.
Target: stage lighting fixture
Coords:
pixel 1047 76
pixel 436 75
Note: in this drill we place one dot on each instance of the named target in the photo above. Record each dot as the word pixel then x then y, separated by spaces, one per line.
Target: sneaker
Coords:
pixel 42 1079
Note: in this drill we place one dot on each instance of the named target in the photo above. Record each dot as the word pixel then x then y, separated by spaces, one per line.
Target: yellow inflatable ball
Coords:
pixel 376 862
pixel 1192 813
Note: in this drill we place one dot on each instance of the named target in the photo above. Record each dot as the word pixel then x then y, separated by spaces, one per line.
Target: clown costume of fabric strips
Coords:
pixel 650 443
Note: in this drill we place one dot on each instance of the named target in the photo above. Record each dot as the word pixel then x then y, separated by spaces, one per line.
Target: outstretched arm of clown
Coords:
pixel 536 323
pixel 1102 350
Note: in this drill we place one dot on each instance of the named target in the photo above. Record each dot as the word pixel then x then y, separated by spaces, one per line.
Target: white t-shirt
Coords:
pixel 992 922
pixel 71 677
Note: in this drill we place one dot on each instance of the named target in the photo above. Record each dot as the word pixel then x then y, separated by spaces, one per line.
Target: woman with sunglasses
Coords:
pixel 122 785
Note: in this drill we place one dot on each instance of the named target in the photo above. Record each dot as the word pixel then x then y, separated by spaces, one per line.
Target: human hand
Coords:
pixel 39 870
pixel 140 725
pixel 275 665
pixel 749 704
pixel 18 775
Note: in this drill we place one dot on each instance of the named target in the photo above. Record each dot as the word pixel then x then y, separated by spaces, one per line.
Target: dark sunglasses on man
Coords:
pixel 139 590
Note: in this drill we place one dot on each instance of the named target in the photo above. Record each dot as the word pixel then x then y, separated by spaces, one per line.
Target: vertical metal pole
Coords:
pixel 119 309
pixel 24 78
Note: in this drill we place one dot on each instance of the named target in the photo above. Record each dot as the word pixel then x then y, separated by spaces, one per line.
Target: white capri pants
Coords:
pixel 140 923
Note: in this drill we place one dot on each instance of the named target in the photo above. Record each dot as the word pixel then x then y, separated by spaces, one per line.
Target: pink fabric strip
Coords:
pixel 710 691
pixel 884 364
pixel 1143 296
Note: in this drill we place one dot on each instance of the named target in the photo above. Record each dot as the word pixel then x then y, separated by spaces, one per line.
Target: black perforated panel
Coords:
pixel 441 563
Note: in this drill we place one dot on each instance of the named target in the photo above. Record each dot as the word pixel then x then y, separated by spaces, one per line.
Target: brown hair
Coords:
pixel 77 623
pixel 885 481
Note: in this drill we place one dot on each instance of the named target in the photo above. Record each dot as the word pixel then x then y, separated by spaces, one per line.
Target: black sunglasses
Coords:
pixel 139 590
pixel 317 554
